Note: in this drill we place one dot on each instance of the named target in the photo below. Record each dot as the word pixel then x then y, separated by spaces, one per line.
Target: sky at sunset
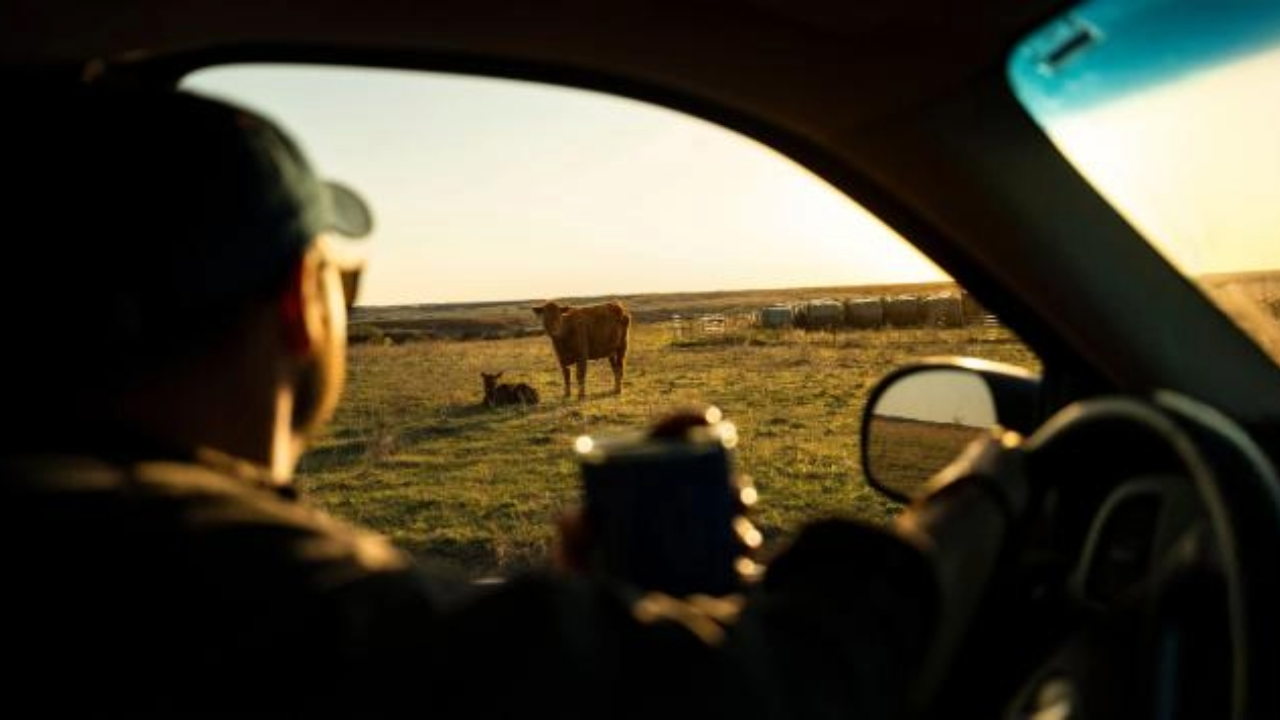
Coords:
pixel 487 189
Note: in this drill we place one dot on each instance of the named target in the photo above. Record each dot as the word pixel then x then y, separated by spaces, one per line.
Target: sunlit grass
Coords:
pixel 413 453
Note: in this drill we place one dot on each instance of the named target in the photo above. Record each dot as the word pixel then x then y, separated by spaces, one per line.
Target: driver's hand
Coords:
pixel 572 543
pixel 575 546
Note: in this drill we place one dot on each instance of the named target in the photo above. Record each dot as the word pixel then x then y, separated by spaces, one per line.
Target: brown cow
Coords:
pixel 579 334
pixel 496 393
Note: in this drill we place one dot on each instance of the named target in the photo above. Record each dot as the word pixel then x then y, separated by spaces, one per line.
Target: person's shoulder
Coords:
pixel 208 510
pixel 227 506
pixel 196 571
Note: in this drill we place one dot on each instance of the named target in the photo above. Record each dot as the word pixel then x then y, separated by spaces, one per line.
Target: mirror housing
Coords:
pixel 921 416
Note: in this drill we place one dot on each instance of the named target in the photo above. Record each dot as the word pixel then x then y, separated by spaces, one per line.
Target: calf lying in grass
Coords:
pixel 496 393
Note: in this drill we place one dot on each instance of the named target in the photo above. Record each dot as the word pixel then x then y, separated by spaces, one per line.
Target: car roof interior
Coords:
pixel 902 104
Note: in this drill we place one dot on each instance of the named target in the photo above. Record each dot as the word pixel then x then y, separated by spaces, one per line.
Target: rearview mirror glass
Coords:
pixel 920 422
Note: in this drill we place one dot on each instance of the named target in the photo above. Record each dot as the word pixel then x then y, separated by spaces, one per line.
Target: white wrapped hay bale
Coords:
pixel 823 313
pixel 902 311
pixel 864 312
pixel 777 316
pixel 942 310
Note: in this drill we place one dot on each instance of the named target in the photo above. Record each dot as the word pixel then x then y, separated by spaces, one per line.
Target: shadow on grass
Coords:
pixel 335 456
pixel 469 410
pixel 353 447
pixel 421 433
pixel 470 559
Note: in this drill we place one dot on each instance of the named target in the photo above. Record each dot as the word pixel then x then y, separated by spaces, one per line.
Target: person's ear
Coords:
pixel 313 334
pixel 307 315
pixel 294 316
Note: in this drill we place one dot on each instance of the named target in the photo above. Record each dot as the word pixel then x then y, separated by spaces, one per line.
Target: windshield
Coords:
pixel 1171 108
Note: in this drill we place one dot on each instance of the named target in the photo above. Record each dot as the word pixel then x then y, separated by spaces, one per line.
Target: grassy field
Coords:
pixel 905 453
pixel 413 453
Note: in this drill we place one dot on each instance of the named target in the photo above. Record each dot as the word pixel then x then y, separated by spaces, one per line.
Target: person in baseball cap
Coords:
pixel 177 262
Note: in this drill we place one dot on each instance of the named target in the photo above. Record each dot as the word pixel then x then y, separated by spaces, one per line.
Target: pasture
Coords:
pixel 415 454
pixel 905 453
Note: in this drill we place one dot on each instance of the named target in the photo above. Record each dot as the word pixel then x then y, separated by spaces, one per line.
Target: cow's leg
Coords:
pixel 565 370
pixel 582 378
pixel 616 364
pixel 621 353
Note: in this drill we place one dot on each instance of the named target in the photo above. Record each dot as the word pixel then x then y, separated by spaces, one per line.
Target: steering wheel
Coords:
pixel 1123 544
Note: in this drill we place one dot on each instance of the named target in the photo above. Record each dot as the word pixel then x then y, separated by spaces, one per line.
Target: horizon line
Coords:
pixel 595 296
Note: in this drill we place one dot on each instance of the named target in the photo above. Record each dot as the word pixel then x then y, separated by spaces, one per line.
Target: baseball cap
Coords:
pixel 159 209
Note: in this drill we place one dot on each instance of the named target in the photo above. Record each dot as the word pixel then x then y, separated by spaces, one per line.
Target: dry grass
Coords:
pixel 415 455
pixel 906 453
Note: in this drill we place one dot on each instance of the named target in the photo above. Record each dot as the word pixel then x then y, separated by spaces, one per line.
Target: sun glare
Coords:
pixel 1210 206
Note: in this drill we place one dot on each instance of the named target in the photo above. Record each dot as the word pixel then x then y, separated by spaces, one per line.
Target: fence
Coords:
pixel 992 330
pixel 688 327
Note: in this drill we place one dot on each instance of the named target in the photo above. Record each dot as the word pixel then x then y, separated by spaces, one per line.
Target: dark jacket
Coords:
pixel 167 585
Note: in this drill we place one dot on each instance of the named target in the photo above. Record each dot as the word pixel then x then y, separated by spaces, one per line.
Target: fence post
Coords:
pixel 679 327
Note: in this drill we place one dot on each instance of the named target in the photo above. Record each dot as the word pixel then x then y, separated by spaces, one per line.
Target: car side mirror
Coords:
pixel 919 418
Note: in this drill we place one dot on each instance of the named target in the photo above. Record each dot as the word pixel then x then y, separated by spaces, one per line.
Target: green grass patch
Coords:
pixel 413 453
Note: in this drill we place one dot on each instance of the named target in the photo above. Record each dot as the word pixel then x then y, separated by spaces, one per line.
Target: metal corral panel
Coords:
pixel 942 311
pixel 865 312
pixel 776 316
pixel 902 311
pixel 971 310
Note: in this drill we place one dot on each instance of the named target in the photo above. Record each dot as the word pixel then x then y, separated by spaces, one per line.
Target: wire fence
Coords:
pixel 689 327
